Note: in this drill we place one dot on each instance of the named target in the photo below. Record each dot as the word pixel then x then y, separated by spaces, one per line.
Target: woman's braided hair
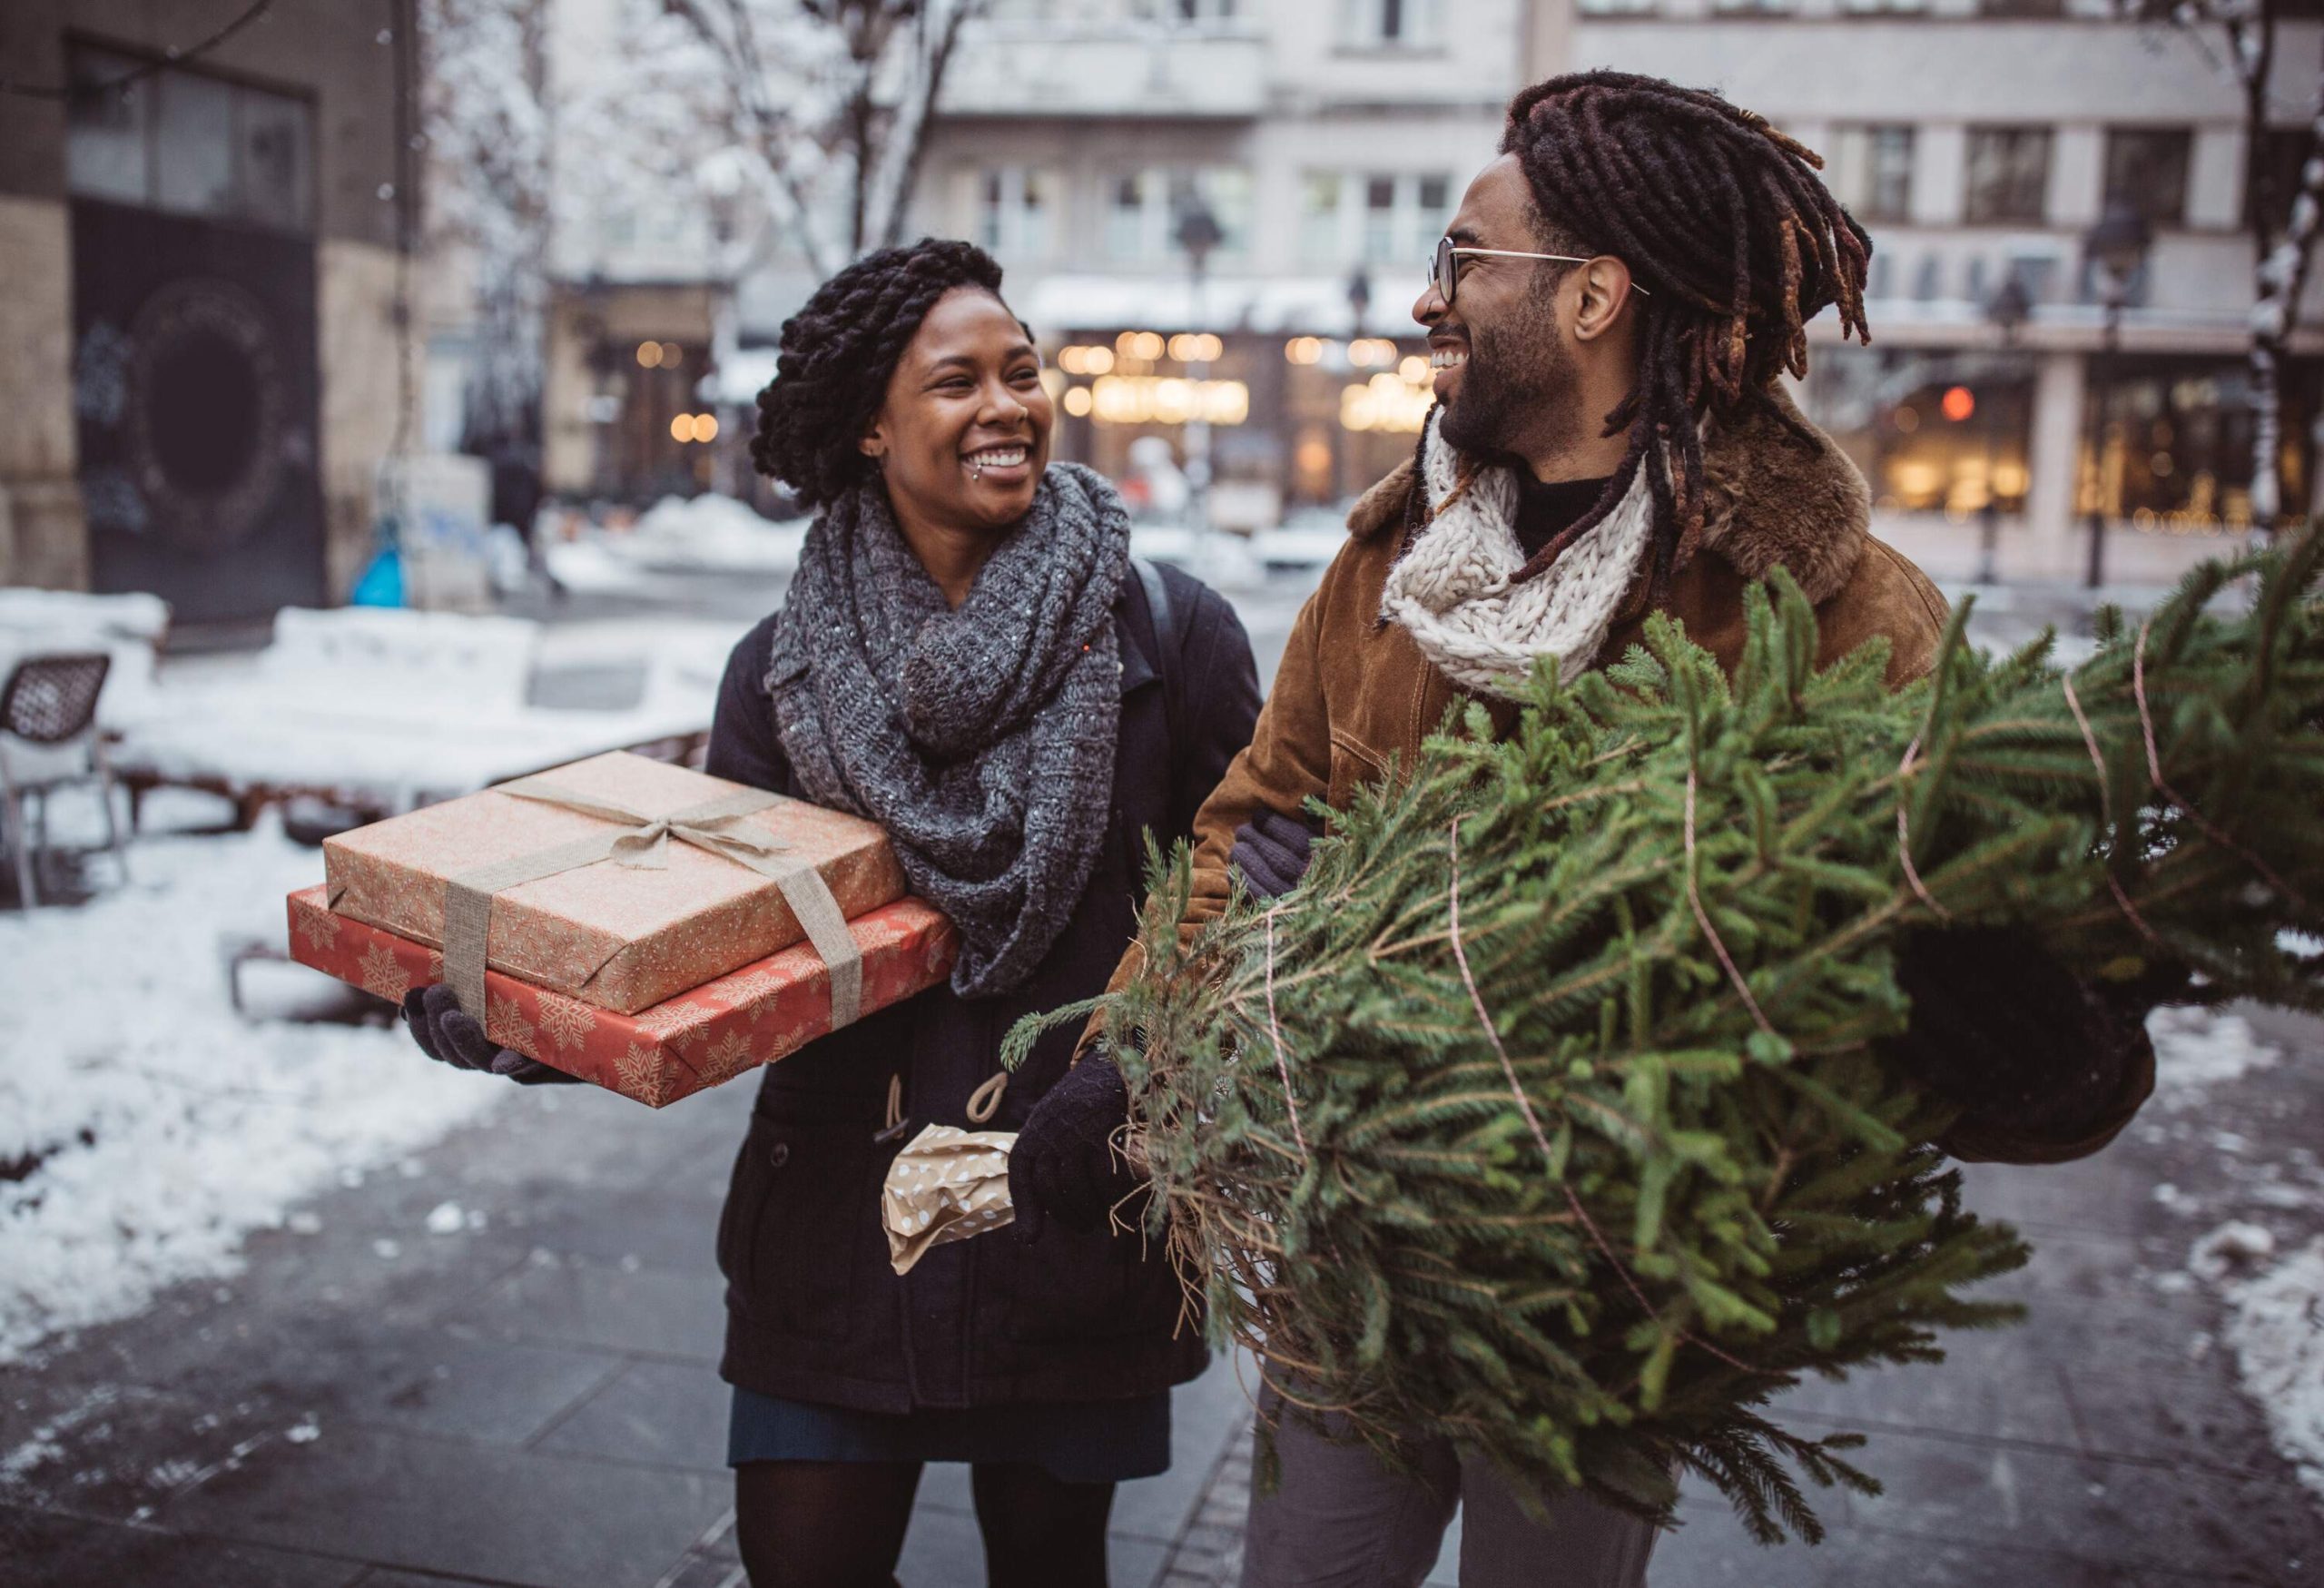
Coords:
pixel 838 353
pixel 1724 221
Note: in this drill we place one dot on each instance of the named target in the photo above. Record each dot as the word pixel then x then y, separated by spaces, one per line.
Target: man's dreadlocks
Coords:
pixel 1724 221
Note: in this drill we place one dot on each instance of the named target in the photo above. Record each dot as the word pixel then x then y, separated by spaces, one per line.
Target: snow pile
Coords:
pixel 145 1128
pixel 713 533
pixel 2198 1049
pixel 2278 1334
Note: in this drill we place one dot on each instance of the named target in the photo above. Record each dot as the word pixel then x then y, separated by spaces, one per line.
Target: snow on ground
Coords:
pixel 160 1127
pixel 2197 1050
pixel 679 535
pixel 2275 1315
pixel 2278 1334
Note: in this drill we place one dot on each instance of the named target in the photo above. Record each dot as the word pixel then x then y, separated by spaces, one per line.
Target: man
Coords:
pixel 1609 316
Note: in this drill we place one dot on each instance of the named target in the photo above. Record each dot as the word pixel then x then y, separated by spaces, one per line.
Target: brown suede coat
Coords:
pixel 1352 693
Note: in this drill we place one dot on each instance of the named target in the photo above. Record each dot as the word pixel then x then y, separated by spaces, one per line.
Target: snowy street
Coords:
pixel 281 1302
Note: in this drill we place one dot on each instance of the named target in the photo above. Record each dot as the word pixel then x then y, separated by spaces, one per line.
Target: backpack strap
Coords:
pixel 1169 641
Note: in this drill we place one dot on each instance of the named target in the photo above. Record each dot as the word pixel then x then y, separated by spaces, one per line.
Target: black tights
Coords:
pixel 840 1524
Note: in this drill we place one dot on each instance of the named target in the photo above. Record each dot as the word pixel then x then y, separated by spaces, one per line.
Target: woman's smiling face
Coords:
pixel 963 435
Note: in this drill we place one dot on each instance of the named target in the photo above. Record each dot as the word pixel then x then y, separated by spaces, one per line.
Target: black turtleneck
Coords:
pixel 1543 510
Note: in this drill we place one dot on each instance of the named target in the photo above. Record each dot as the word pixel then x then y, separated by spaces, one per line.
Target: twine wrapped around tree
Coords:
pixel 1549 1111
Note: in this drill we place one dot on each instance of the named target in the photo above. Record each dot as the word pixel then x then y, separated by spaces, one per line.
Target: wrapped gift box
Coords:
pixel 619 936
pixel 750 1016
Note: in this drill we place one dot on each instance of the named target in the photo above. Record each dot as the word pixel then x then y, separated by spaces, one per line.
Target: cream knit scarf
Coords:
pixel 1453 590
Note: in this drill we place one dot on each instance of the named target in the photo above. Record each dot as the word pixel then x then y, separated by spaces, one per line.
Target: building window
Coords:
pixel 1143 207
pixel 190 144
pixel 1392 25
pixel 1184 11
pixel 1752 7
pixel 1870 171
pixel 2009 175
pixel 1319 218
pixel 2022 8
pixel 1885 8
pixel 1013 211
pixel 1380 218
pixel 2146 172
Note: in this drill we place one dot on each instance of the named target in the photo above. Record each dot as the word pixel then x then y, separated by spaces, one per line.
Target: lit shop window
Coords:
pixel 1944 433
pixel 2174 447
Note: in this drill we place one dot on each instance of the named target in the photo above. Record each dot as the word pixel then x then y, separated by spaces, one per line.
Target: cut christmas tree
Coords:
pixel 1549 1113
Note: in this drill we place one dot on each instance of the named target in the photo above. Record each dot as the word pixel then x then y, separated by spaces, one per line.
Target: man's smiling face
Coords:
pixel 1502 370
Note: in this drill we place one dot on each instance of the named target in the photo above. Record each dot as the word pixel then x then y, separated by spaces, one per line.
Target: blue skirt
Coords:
pixel 1080 1442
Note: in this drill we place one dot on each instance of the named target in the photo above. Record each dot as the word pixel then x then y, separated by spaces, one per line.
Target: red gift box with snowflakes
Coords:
pixel 748 1017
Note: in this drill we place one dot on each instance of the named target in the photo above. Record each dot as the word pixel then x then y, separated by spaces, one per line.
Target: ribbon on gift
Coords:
pixel 946 1185
pixel 643 841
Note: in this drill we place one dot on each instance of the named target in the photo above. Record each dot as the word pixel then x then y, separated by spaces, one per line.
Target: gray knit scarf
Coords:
pixel 981 738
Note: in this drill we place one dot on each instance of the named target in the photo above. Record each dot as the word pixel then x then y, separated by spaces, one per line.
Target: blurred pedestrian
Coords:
pixel 970 657
pixel 1609 318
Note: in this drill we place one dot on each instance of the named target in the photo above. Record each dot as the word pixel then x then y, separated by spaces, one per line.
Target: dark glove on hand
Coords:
pixel 449 1034
pixel 2007 1033
pixel 1065 1165
pixel 1271 852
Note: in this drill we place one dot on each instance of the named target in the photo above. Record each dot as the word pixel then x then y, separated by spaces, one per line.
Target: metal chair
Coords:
pixel 49 739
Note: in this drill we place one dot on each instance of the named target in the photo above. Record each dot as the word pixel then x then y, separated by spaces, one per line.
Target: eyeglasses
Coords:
pixel 1444 267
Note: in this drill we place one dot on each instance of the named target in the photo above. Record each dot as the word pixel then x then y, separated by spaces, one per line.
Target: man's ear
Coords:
pixel 1605 284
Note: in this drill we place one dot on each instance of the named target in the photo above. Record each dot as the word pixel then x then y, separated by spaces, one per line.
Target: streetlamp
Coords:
pixel 2006 311
pixel 1359 299
pixel 2116 249
pixel 1198 233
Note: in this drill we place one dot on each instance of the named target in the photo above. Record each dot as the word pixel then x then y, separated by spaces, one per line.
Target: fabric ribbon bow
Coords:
pixel 642 842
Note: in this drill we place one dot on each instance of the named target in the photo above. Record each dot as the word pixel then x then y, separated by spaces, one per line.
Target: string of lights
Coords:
pixel 175 55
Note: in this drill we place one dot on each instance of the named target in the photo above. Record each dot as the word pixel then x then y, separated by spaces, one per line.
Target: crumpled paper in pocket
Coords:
pixel 947 1184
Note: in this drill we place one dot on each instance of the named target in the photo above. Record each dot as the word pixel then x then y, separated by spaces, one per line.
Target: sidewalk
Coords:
pixel 496 1363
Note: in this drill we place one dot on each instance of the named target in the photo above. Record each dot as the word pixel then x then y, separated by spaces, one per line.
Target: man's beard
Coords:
pixel 1519 391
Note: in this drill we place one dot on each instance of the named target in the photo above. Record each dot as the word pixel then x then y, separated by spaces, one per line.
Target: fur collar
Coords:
pixel 1770 500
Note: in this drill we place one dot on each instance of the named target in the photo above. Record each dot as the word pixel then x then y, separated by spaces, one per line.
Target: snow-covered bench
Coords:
pixel 375 711
pixel 130 628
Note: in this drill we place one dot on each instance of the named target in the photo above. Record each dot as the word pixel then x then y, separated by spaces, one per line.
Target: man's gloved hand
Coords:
pixel 1271 852
pixel 1065 1165
pixel 450 1035
pixel 2006 1032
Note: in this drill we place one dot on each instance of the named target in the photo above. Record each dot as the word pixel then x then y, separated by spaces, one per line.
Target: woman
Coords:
pixel 969 657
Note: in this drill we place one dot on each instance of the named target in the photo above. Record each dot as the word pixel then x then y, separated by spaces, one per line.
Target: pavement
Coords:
pixel 530 1397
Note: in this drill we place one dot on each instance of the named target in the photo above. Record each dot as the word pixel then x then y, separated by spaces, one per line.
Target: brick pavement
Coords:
pixel 535 1401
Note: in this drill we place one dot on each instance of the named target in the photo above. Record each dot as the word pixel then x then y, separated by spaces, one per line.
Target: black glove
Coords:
pixel 1065 1165
pixel 2008 1034
pixel 1271 852
pixel 449 1034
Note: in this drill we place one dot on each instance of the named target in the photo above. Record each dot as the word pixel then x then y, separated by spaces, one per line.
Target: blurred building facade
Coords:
pixel 1980 142
pixel 1327 141
pixel 206 294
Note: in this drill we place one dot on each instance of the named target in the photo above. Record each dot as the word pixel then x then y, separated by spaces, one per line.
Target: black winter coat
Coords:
pixel 814 1312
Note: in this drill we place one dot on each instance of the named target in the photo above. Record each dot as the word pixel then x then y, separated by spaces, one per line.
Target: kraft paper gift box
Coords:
pixel 617 880
pixel 704 1036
